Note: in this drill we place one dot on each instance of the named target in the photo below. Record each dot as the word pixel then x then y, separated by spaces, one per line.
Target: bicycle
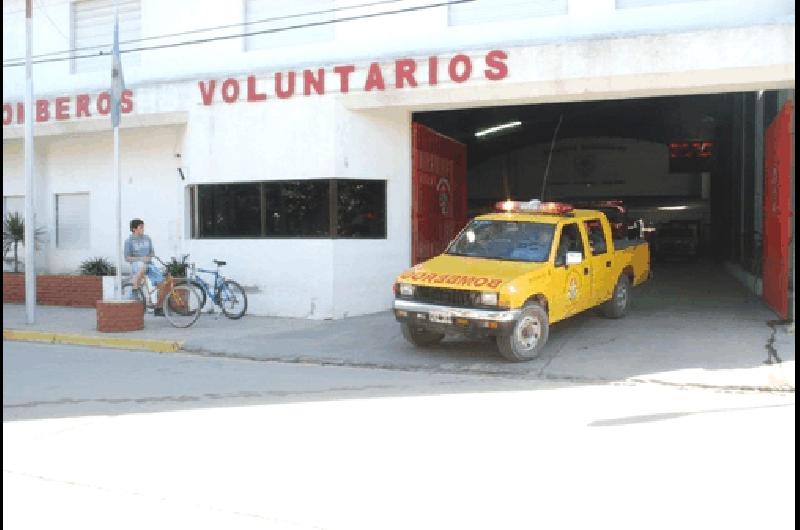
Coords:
pixel 228 295
pixel 181 305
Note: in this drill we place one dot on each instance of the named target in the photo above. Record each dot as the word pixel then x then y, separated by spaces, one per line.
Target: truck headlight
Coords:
pixel 406 289
pixel 488 299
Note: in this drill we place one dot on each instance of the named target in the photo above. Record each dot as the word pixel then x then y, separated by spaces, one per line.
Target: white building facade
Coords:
pixel 288 153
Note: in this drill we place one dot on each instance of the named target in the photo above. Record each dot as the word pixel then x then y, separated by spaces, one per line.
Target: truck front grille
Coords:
pixel 448 297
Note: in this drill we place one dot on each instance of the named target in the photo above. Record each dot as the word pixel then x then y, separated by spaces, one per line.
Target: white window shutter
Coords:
pixel 93 25
pixel 72 221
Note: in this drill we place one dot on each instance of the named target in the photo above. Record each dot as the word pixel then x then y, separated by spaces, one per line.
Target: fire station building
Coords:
pixel 321 147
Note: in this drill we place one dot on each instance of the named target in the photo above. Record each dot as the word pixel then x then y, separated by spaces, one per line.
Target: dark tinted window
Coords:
pixel 570 241
pixel 229 210
pixel 297 208
pixel 361 208
pixel 597 238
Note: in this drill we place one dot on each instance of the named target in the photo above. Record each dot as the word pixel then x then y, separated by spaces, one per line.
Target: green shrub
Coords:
pixel 178 268
pixel 14 235
pixel 98 267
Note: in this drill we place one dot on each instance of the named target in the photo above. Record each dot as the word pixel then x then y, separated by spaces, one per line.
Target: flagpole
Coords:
pixel 30 220
pixel 118 225
pixel 117 87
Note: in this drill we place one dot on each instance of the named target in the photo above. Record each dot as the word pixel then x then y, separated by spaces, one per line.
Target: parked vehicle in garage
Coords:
pixel 511 274
pixel 677 240
pixel 615 211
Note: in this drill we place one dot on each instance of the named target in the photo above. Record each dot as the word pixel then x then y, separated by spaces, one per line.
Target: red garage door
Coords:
pixel 777 210
pixel 439 180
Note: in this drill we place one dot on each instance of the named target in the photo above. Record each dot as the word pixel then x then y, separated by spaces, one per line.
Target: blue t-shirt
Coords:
pixel 138 247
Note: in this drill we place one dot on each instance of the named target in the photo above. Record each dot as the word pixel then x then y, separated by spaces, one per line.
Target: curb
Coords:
pixel 158 346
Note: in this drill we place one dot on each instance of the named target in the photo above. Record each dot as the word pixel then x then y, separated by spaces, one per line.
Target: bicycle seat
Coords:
pixel 220 263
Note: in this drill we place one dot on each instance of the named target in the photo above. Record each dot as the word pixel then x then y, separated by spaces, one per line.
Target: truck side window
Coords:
pixel 570 242
pixel 597 238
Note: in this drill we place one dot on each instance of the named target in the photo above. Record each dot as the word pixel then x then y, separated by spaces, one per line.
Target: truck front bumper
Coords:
pixel 438 317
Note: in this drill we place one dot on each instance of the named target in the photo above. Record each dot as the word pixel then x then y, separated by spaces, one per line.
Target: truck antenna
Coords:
pixel 550 155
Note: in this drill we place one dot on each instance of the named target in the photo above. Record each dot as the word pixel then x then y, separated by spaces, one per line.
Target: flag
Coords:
pixel 117 80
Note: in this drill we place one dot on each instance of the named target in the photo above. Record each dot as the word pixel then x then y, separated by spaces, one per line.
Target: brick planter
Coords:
pixel 56 289
pixel 115 316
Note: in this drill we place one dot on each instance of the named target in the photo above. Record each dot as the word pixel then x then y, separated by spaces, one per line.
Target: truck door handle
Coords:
pixel 608 264
pixel 586 271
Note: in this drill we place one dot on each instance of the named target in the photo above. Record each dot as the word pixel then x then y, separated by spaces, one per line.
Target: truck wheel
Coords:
pixel 617 307
pixel 528 337
pixel 419 336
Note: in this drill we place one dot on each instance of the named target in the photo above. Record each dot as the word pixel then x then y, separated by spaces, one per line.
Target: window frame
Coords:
pixel 333 210
pixel 58 245
pixel 588 228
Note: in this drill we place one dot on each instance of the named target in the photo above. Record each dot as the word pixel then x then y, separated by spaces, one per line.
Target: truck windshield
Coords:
pixel 504 240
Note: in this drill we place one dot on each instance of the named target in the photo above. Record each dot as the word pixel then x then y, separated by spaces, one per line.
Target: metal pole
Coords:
pixel 118 225
pixel 30 243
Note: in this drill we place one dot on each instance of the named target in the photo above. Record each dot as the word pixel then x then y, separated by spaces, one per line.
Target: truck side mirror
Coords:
pixel 574 258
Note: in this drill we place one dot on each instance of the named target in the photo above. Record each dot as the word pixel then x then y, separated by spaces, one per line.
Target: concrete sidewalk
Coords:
pixel 671 336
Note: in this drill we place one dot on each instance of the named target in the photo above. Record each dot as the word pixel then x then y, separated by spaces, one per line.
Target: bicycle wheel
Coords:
pixel 200 291
pixel 129 293
pixel 182 306
pixel 232 299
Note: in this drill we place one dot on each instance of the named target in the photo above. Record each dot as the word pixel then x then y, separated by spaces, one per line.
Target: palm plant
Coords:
pixel 14 234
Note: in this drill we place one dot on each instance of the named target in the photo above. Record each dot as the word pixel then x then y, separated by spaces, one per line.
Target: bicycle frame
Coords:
pixel 218 281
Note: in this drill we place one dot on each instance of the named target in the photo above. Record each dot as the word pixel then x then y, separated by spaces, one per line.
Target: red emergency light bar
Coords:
pixel 534 206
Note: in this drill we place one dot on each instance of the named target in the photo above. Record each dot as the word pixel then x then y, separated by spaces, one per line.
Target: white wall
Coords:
pixel 273 140
pixel 83 164
pixel 373 145
pixel 414 33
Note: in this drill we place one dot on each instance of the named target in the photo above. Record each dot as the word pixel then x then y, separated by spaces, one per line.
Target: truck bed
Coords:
pixel 622 244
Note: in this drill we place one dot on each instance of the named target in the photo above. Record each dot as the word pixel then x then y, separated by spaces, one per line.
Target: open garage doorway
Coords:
pixel 688 171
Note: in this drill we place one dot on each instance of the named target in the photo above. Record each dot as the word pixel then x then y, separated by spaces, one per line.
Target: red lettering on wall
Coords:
pixel 344 77
pixel 20 113
pixel 310 81
pixel 82 106
pixel 433 70
pixel 374 78
pixel 103 103
pixel 8 114
pixel 62 108
pixel 279 91
pixel 126 101
pixel 42 110
pixel 498 69
pixel 207 91
pixel 404 72
pixel 252 94
pixel 466 68
pixel 230 90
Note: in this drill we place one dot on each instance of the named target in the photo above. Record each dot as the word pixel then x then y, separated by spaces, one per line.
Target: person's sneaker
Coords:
pixel 159 312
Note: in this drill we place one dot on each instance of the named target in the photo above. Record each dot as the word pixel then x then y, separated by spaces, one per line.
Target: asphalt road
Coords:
pixel 96 438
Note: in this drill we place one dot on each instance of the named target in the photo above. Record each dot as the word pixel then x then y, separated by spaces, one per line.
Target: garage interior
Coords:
pixel 693 160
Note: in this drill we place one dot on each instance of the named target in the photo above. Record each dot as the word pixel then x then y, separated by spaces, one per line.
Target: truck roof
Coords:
pixel 546 218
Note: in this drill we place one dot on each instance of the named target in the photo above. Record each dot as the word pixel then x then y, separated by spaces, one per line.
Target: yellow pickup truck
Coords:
pixel 511 274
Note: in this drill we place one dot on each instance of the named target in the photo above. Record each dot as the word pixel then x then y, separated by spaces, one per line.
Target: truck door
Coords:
pixel 599 259
pixel 572 282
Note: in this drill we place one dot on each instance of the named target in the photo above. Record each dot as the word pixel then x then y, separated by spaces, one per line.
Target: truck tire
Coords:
pixel 617 307
pixel 420 337
pixel 528 337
